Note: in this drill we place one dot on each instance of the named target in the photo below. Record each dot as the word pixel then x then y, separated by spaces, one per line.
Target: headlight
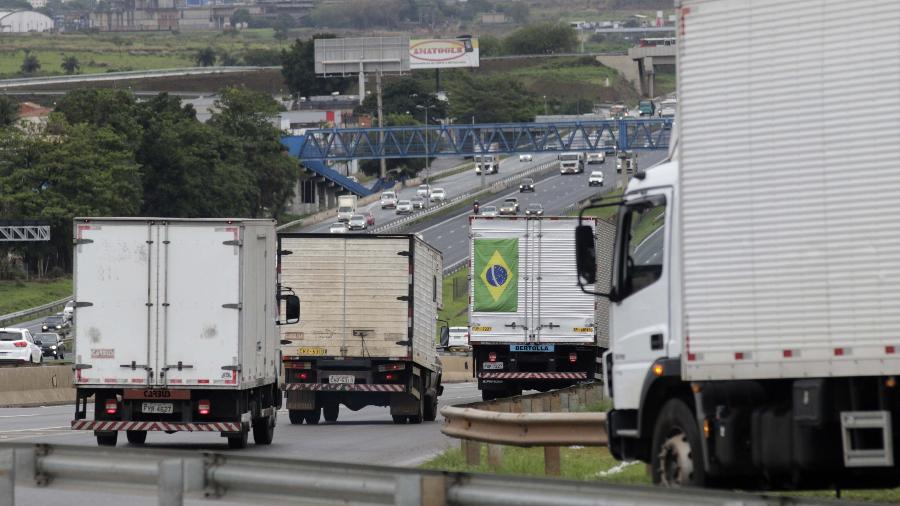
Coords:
pixel 53 347
pixel 59 326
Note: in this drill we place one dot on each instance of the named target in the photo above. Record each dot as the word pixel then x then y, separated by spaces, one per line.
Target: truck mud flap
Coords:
pixel 533 375
pixel 301 399
pixel 341 387
pixel 99 425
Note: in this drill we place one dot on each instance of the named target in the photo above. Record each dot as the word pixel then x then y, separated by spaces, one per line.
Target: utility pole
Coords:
pixel 383 171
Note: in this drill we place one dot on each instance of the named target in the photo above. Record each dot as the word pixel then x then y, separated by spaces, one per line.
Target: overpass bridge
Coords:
pixel 462 140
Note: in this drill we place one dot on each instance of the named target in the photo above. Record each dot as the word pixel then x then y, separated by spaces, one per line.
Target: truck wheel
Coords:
pixel 239 441
pixel 677 459
pixel 108 439
pixel 136 437
pixel 296 416
pixel 488 395
pixel 431 408
pixel 264 430
pixel 312 417
pixel 399 419
pixel 331 411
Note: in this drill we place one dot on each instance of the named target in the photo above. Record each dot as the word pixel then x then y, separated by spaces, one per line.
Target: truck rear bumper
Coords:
pixel 341 387
pixel 533 375
pixel 105 426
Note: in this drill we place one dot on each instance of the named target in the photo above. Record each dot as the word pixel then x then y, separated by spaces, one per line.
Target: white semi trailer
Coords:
pixel 755 283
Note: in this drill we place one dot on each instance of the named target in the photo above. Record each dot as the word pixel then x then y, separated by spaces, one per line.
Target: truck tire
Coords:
pixel 330 412
pixel 399 419
pixel 108 439
pixel 239 441
pixel 296 416
pixel 488 395
pixel 312 417
pixel 136 437
pixel 431 408
pixel 264 430
pixel 676 454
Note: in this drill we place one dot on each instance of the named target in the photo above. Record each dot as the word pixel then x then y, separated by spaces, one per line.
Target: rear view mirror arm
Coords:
pixel 579 255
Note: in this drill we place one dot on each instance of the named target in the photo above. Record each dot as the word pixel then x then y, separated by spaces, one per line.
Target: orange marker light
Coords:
pixel 658 369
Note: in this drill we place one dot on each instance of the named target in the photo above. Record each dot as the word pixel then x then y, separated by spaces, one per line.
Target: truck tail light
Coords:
pixel 389 377
pixel 20 344
pixel 573 357
pixel 492 357
pixel 203 407
pixel 303 376
pixel 112 406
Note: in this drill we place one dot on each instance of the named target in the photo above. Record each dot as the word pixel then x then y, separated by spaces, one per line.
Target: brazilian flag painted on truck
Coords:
pixel 496 275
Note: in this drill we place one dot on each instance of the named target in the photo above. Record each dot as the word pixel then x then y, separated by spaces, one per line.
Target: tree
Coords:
pixel 240 17
pixel 546 38
pixel 262 57
pixel 9 111
pixel 30 64
pixel 283 26
pixel 205 57
pixel 70 64
pixel 403 96
pixel 244 116
pixel 494 99
pixel 102 107
pixel 488 45
pixel 228 59
pixel 299 69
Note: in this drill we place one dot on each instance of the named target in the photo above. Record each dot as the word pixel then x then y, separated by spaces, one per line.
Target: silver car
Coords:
pixel 418 202
pixel 438 195
pixel 388 199
pixel 489 211
pixel 357 222
pixel 404 207
pixel 338 228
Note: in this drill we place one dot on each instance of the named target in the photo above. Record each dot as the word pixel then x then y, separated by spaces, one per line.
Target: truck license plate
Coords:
pixel 309 351
pixel 341 378
pixel 492 365
pixel 162 408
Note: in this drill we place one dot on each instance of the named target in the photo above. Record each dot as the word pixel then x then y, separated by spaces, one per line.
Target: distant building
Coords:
pixel 493 19
pixel 31 113
pixel 24 21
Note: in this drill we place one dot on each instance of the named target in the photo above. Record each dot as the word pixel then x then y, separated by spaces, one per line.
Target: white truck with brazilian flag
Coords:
pixel 532 328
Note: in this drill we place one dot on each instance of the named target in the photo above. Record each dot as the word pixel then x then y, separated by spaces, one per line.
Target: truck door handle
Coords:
pixel 656 341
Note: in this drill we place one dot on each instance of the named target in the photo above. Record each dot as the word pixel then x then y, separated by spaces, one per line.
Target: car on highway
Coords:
pixel 69 310
pixel 527 185
pixel 424 190
pixel 668 108
pixel 388 200
pixel 370 218
pixel 404 207
pixel 51 345
pixel 418 202
pixel 595 157
pixel 338 228
pixel 357 222
pixel 534 209
pixel 56 323
pixel 17 345
pixel 459 339
pixel 438 195
pixel 489 211
pixel 524 157
pixel 596 178
pixel 510 205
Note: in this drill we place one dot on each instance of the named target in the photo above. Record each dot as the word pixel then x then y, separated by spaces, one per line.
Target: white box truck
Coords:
pixel 531 327
pixel 175 327
pixel 346 207
pixel 754 303
pixel 571 163
pixel 490 164
pixel 367 338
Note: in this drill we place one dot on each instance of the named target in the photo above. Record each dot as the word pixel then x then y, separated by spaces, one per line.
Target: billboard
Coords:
pixel 443 53
pixel 352 56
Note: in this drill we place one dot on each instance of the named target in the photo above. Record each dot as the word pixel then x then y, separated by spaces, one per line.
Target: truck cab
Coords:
pixel 487 163
pixel 571 163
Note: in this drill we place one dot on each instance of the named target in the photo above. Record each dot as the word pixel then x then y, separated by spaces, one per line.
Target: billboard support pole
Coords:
pixel 362 84
pixel 383 170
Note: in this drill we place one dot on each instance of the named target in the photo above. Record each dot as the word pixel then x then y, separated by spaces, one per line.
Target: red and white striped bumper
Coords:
pixel 157 426
pixel 343 387
pixel 533 375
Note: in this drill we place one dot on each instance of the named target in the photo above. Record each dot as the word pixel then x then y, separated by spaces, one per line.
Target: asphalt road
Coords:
pixel 555 192
pixel 453 185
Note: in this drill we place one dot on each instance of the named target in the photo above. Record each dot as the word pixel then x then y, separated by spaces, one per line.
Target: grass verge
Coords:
pixel 19 295
pixel 455 309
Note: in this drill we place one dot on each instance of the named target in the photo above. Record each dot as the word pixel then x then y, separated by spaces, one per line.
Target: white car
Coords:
pixel 438 195
pixel 69 310
pixel 17 345
pixel 338 228
pixel 596 178
pixel 596 157
pixel 388 199
pixel 489 211
pixel 525 157
pixel 423 191
pixel 404 207
pixel 357 222
pixel 459 339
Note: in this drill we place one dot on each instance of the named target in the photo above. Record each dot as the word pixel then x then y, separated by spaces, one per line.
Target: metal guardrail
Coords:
pixel 32 311
pixel 525 429
pixel 494 187
pixel 174 476
pixel 128 74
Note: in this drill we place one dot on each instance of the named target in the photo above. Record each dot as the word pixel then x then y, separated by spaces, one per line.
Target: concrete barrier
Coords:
pixel 36 386
pixel 457 369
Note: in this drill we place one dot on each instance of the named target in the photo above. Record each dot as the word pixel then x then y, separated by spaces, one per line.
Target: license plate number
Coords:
pixel 492 365
pixel 341 379
pixel 162 408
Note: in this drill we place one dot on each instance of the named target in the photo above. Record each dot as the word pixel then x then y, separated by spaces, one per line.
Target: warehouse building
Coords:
pixel 24 21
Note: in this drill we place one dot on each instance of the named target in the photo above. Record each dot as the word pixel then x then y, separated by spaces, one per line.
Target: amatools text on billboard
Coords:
pixel 443 53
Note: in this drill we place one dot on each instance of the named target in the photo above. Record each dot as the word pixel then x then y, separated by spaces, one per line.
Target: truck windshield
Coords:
pixel 345 209
pixel 644 245
pixel 569 158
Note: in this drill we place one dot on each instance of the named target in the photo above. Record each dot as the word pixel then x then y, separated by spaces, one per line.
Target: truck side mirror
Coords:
pixel 445 336
pixel 291 309
pixel 585 255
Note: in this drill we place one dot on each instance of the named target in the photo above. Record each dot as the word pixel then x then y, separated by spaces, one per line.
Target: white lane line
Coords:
pixel 439 237
pixel 34 429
